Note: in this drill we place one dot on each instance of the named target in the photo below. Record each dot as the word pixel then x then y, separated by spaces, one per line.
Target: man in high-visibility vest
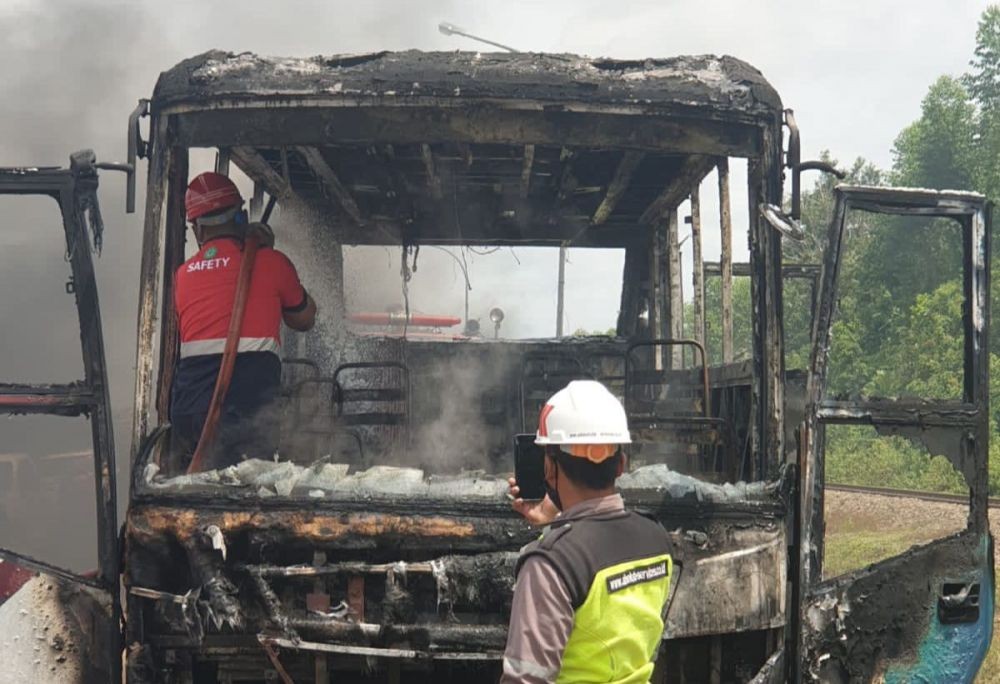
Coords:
pixel 591 593
pixel 204 291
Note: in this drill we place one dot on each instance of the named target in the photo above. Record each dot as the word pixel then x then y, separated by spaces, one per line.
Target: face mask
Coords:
pixel 552 492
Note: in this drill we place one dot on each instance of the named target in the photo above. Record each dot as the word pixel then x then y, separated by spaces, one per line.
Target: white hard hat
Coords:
pixel 581 414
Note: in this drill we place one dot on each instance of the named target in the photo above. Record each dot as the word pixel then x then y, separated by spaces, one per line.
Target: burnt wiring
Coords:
pixel 405 274
pixel 462 264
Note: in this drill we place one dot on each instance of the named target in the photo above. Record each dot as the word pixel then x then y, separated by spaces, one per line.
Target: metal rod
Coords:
pixel 136 150
pixel 561 291
pixel 268 646
pixel 436 635
pixel 378 652
pixel 697 268
pixel 266 216
pixel 46 569
pixel 656 292
pixel 321 665
pixel 333 569
pixel 676 312
pixel 222 161
pixel 726 259
pixel 452 30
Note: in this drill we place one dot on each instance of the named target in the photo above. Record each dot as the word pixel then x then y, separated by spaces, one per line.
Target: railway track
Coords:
pixel 910 494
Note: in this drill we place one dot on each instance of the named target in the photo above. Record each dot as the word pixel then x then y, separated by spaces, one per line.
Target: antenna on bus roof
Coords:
pixel 452 30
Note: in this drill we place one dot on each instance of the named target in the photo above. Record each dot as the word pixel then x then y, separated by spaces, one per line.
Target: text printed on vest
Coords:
pixel 208 264
pixel 629 578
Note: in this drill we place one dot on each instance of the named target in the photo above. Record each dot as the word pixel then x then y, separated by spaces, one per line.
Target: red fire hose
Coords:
pixel 250 246
pixel 425 320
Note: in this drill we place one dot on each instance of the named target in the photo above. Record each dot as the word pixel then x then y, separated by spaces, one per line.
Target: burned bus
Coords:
pixel 379 543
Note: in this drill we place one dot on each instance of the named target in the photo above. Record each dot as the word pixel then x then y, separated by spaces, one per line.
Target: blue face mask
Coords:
pixel 241 217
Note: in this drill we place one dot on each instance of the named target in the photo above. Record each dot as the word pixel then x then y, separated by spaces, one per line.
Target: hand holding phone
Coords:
pixel 529 467
pixel 527 487
pixel 537 513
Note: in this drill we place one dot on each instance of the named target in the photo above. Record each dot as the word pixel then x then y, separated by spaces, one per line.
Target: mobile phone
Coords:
pixel 529 467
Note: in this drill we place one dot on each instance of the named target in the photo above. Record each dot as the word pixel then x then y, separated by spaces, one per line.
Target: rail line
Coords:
pixel 910 494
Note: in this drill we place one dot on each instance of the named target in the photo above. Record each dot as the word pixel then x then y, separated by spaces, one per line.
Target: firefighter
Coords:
pixel 204 291
pixel 591 593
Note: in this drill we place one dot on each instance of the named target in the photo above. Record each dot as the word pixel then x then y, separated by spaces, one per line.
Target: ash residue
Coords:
pixel 480 580
pixel 676 485
pixel 47 634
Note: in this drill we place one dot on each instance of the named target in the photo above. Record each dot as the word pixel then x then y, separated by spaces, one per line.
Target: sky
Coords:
pixel 854 72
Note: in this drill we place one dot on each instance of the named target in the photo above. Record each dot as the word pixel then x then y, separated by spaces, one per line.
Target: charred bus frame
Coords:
pixel 554 150
pixel 631 139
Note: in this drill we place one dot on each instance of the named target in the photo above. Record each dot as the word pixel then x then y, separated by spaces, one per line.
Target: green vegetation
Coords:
pixel 857 456
pixel 849 551
pixel 898 331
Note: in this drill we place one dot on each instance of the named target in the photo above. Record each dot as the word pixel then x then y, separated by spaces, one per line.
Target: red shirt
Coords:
pixel 205 287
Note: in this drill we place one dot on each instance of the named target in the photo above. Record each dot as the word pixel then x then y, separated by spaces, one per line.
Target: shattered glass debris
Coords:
pixel 322 479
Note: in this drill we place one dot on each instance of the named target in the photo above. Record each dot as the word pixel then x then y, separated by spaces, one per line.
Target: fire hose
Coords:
pixel 250 245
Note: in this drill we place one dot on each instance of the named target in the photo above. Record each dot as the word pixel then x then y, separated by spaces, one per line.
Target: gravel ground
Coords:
pixel 847 511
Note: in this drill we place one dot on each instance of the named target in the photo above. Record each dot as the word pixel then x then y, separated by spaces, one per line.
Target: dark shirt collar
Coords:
pixel 612 503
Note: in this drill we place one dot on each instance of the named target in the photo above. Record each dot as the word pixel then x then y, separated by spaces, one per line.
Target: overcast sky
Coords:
pixel 854 72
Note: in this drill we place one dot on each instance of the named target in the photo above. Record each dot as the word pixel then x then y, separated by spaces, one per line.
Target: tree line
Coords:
pixel 898 331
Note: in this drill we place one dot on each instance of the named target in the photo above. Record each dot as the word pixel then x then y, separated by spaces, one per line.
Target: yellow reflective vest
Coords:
pixel 617 568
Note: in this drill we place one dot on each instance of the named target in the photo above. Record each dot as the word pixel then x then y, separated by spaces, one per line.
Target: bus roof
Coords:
pixel 704 82
pixel 462 147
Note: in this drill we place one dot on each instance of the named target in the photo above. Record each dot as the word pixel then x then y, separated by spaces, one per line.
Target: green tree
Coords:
pixel 817 208
pixel 983 82
pixel 983 85
pixel 898 327
pixel 938 150
pixel 926 359
pixel 742 322
pixel 817 212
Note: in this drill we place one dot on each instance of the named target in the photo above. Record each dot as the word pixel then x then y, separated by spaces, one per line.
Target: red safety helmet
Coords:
pixel 208 193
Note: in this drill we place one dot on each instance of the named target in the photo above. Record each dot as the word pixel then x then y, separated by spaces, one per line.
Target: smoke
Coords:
pixel 455 434
pixel 447 432
pixel 65 85
pixel 73 71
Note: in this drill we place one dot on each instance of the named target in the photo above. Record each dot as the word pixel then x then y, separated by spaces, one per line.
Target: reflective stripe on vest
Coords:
pixel 616 632
pixel 217 346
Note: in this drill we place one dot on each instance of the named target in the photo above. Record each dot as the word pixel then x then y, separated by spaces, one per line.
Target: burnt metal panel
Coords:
pixel 173 256
pixel 715 84
pixel 764 185
pixel 267 124
pixel 883 624
pixel 149 283
pixel 735 581
pixel 75 191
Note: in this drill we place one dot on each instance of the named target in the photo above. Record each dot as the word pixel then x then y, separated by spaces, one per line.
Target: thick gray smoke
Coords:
pixel 73 70
pixel 66 84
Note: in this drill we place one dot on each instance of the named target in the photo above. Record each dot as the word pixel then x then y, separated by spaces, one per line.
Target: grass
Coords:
pixel 990 670
pixel 849 549
pixel 846 551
